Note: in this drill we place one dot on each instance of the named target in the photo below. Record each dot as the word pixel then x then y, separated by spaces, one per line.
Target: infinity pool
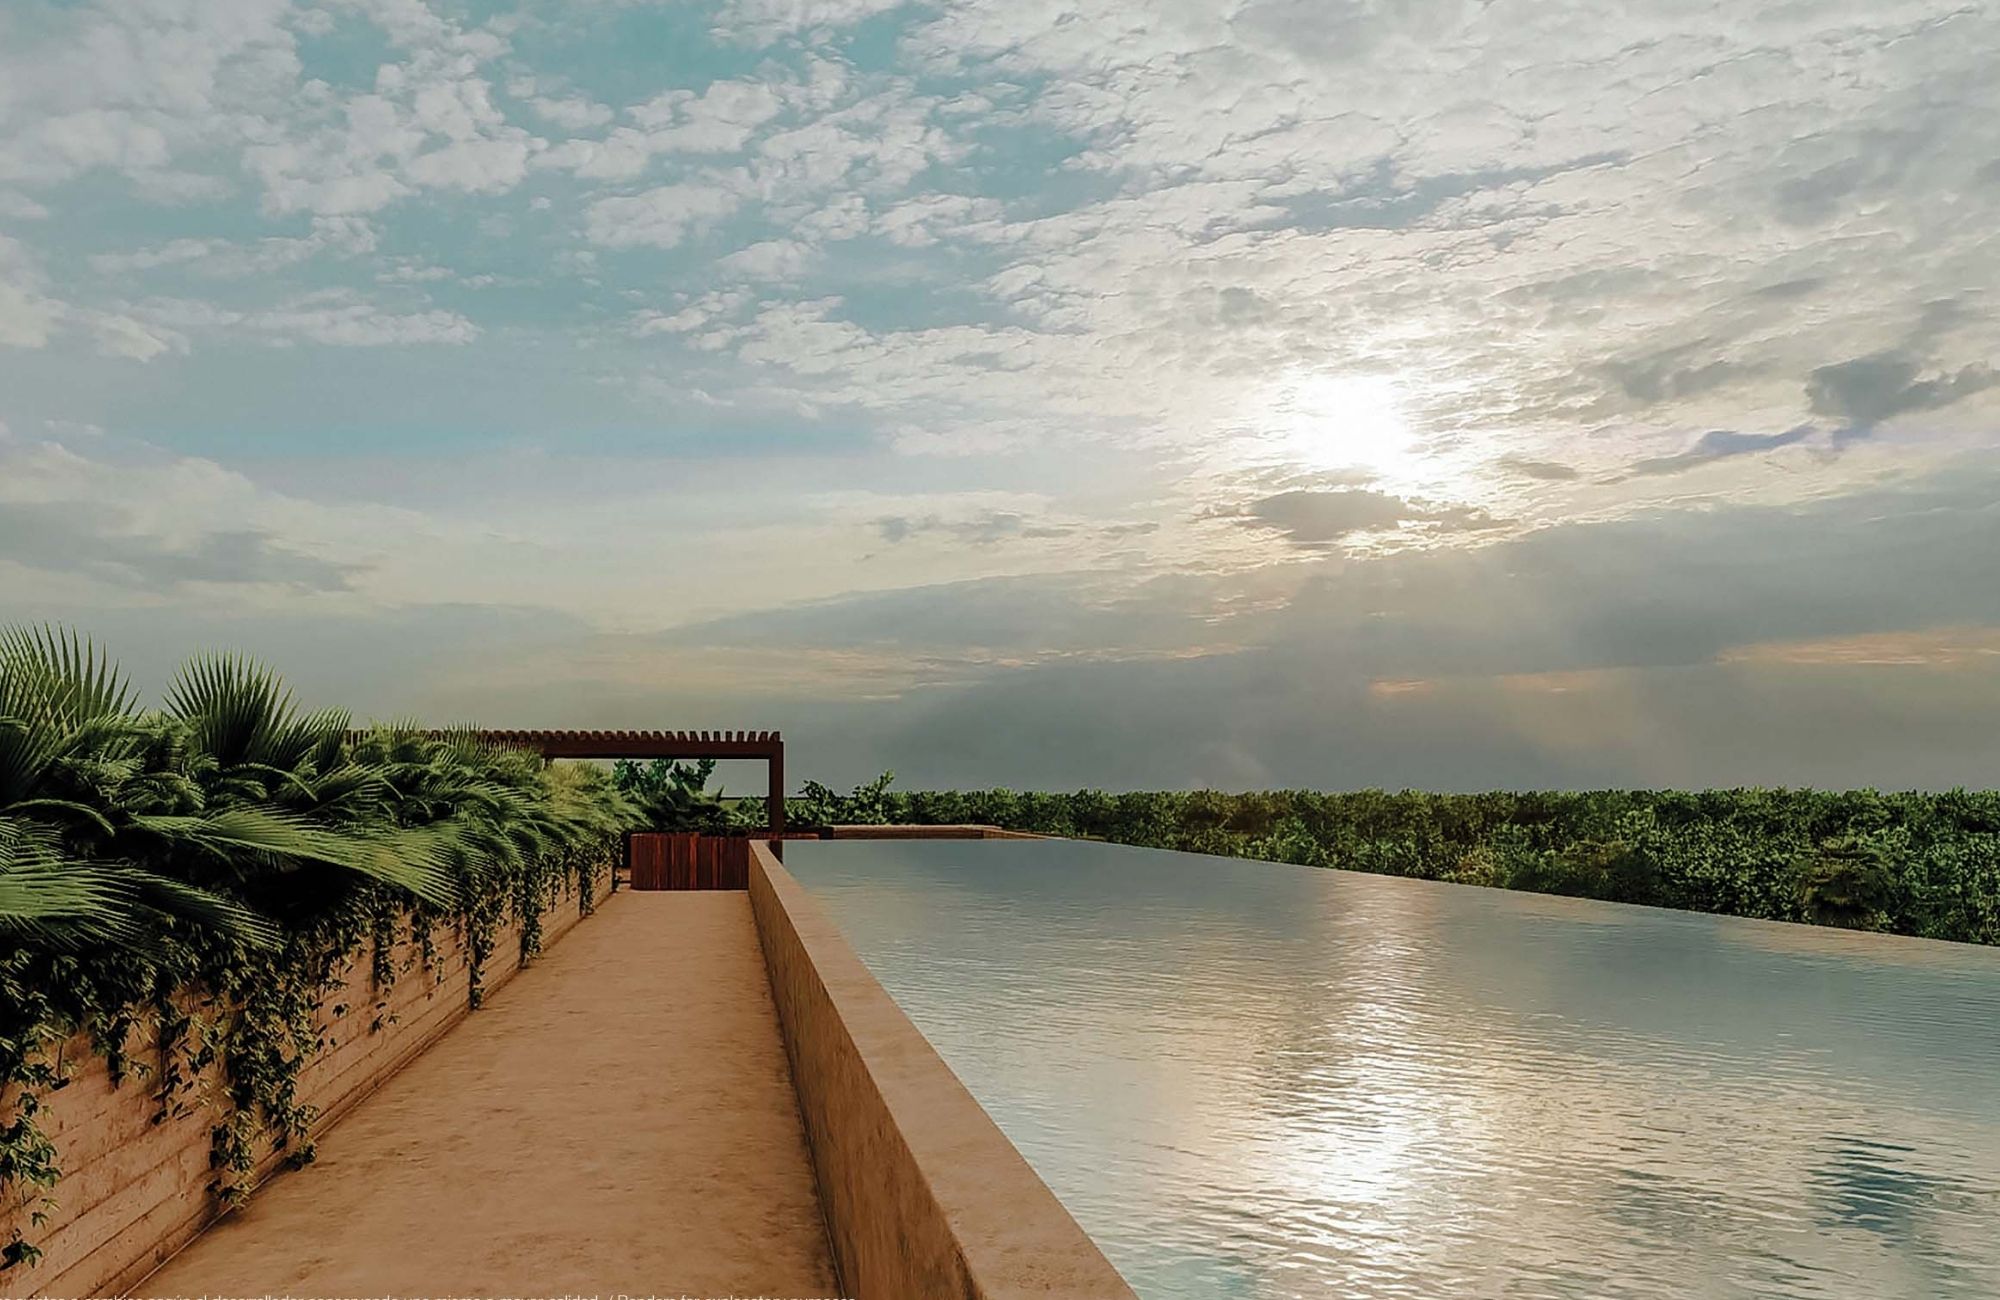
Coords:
pixel 1252 1080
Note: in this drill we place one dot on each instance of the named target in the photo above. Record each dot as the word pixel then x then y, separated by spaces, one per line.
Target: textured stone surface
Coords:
pixel 924 1196
pixel 135 1190
pixel 620 1119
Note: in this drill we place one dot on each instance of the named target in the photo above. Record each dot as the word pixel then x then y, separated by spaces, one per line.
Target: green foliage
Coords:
pixel 866 805
pixel 1918 864
pixel 671 795
pixel 1850 882
pixel 207 871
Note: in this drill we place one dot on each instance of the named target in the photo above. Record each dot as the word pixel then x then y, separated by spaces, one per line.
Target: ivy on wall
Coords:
pixel 201 876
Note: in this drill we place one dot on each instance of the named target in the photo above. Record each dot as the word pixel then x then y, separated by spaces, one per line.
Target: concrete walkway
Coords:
pixel 619 1119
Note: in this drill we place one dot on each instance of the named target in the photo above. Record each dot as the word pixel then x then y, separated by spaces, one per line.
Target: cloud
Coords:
pixel 1318 519
pixel 1145 243
pixel 1646 592
pixel 1545 471
pixel 1937 648
pixel 391 663
pixel 483 166
pixel 1721 444
pixel 428 121
pixel 984 290
pixel 341 236
pixel 175 253
pixel 1580 655
pixel 424 128
pixel 660 217
pixel 68 144
pixel 984 529
pixel 19 207
pixel 134 89
pixel 1872 390
pixel 774 259
pixel 104 545
pixel 979 624
pixel 705 310
pixel 99 523
pixel 122 336
pixel 359 324
pixel 721 119
pixel 879 143
pixel 1674 373
pixel 1257 720
pixel 334 317
pixel 575 113
pixel 1862 393
pixel 1637 593
pixel 27 317
pixel 763 21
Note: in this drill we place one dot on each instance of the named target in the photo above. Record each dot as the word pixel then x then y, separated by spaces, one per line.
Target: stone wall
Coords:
pixel 135 1187
pixel 924 1195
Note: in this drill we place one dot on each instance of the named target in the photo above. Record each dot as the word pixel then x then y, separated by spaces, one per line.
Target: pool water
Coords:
pixel 1256 1080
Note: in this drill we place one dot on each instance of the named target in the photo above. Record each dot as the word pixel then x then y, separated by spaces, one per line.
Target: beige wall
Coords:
pixel 134 1191
pixel 925 1198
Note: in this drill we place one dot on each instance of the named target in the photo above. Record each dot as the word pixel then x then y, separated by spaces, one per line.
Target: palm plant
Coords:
pixel 233 845
pixel 231 805
pixel 276 795
pixel 72 765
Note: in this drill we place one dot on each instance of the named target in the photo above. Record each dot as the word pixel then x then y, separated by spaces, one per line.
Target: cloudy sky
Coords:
pixel 1140 392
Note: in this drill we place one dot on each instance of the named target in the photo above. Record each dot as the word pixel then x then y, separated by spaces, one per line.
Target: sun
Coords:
pixel 1339 422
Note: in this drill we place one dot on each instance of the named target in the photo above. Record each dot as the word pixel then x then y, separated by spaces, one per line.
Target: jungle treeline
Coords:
pixel 1924 864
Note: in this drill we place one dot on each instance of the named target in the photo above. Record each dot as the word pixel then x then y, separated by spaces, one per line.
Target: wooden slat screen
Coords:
pixel 689 861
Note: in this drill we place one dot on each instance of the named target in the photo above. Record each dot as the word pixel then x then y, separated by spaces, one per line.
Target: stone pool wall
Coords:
pixel 923 1194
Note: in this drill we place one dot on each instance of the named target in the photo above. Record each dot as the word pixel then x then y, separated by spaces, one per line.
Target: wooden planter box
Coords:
pixel 688 860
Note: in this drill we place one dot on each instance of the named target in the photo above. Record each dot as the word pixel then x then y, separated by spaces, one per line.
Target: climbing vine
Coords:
pixel 182 892
pixel 250 1017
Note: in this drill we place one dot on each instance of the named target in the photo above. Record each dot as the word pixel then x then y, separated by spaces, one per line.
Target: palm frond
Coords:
pixel 328 730
pixel 281 838
pixel 189 902
pixel 236 710
pixel 56 689
pixel 79 681
pixel 63 807
pixel 49 900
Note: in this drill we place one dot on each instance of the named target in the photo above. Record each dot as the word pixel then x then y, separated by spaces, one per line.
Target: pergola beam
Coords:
pixel 767 746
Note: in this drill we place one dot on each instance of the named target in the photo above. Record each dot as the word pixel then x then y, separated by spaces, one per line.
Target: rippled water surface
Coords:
pixel 1247 1079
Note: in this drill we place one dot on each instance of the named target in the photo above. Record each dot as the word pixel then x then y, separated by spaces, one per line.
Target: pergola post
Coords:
pixel 774 798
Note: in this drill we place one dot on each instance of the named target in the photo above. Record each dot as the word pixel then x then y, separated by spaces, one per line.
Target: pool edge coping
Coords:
pixel 922 1192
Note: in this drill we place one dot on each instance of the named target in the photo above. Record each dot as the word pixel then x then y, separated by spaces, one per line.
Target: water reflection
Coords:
pixel 1264 1081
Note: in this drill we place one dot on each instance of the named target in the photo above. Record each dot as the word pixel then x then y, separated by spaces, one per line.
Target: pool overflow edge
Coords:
pixel 923 1194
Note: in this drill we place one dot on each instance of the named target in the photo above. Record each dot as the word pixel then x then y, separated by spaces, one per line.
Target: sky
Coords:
pixel 1242 393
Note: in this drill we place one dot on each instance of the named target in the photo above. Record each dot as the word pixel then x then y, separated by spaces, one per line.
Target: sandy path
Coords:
pixel 618 1119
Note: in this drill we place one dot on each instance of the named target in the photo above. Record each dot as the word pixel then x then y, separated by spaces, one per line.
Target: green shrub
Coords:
pixel 233 844
pixel 1849 882
pixel 670 795
pixel 1924 864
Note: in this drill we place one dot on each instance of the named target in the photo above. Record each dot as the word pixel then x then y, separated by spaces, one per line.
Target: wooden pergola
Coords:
pixel 765 745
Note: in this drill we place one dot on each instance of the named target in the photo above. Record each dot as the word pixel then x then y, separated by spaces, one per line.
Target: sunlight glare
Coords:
pixel 1334 422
